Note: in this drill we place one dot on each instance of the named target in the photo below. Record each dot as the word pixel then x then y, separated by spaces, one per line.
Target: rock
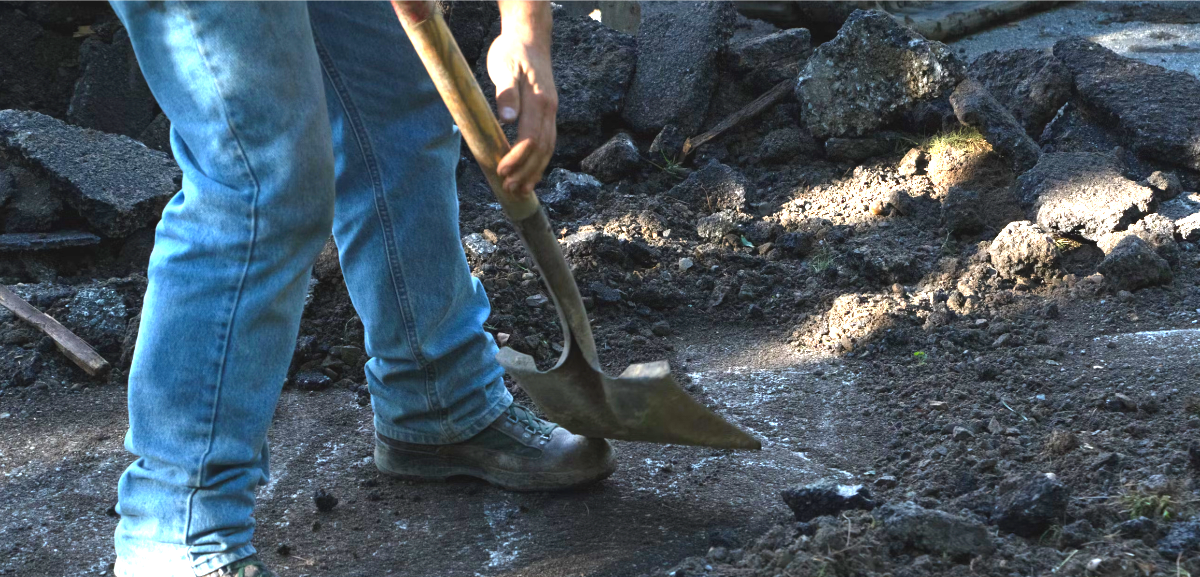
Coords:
pixel 1140 528
pixel 471 23
pixel 1184 213
pixel 1025 250
pixel 604 293
pixel 111 95
pixel 1030 84
pixel 1082 194
pixel 1166 184
pixel 960 211
pixel 1105 461
pixel 795 244
pixel 536 301
pixel 1030 510
pixel 762 231
pixel 1121 403
pixel 785 144
pixel 113 181
pixel 715 226
pixel 567 189
pixel 478 246
pixel 686 263
pixel 1155 229
pixel 668 145
pixel 768 60
pixel 914 162
pixel 33 204
pixel 324 501
pixel 934 531
pixel 961 434
pixel 825 498
pixel 873 71
pixel 677 48
pixel 857 149
pixel 885 482
pixel 975 107
pixel 1077 533
pixel 1132 264
pixel 713 188
pixel 98 315
pixel 1182 539
pixel 37 65
pixel 311 381
pixel 1154 108
pixel 26 241
pixel 157 134
pixel 661 328
pixel 593 67
pixel 618 158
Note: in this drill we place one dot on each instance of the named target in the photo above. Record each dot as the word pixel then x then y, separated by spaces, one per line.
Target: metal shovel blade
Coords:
pixel 643 404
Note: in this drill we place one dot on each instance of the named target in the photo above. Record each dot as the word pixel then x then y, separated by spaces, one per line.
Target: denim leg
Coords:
pixel 242 86
pixel 432 370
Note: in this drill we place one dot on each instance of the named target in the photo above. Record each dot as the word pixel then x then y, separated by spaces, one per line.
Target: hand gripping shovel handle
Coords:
pixel 462 95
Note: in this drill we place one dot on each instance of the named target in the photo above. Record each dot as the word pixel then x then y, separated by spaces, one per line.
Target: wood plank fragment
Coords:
pixel 68 342
pixel 760 104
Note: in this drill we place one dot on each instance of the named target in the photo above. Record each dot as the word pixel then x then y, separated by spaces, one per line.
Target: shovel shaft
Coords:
pixel 456 83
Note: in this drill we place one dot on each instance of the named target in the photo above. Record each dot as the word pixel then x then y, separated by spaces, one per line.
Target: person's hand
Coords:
pixel 519 65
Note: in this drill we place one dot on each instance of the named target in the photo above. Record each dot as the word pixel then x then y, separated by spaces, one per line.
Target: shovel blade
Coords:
pixel 643 404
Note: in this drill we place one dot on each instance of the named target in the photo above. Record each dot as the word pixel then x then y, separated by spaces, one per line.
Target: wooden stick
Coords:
pixel 767 100
pixel 71 345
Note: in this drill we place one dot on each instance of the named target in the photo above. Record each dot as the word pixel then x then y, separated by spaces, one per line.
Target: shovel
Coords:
pixel 644 403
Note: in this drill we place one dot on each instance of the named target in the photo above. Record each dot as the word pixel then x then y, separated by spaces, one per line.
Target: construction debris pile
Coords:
pixel 923 217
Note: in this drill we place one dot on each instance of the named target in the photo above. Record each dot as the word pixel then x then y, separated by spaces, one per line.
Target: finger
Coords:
pixel 513 166
pixel 508 103
pixel 508 95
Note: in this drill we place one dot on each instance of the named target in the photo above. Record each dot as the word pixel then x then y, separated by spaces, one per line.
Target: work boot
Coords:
pixel 248 567
pixel 518 452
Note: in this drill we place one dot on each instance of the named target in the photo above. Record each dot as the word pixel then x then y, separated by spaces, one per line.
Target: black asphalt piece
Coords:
pixel 819 499
pixel 27 241
pixel 1031 84
pixel 1083 194
pixel 976 107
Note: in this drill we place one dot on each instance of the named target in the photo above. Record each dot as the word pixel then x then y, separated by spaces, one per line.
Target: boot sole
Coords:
pixel 427 469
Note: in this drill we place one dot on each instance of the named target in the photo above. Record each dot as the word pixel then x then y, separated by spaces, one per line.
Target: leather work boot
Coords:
pixel 248 567
pixel 517 452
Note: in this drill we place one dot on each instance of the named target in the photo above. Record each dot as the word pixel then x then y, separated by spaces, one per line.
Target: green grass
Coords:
pixel 669 166
pixel 821 259
pixel 1143 505
pixel 966 139
pixel 1065 244
pixel 920 356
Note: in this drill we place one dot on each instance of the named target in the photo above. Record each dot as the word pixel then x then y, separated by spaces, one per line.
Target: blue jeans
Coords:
pixel 288 120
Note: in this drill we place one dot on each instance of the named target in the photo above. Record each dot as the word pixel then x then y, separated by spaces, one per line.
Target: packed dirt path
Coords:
pixel 63 457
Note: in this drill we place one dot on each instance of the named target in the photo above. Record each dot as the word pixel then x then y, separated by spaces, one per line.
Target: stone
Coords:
pixel 536 301
pixel 157 134
pixel 668 145
pixel 762 231
pixel 111 95
pixel 715 226
pixel 1182 539
pixel 593 67
pixel 678 44
pixel 961 211
pixel 786 144
pixel 567 189
pixel 1084 194
pixel 1184 213
pixel 98 315
pixel 617 159
pixel 1140 528
pixel 961 434
pixel 604 293
pixel 37 65
pixel 311 381
pixel 713 188
pixel 1025 250
pixel 871 73
pixel 767 60
pixel 1034 507
pixel 795 244
pixel 826 498
pixel 1030 84
pixel 117 184
pixel 324 501
pixel 1166 184
pixel 1155 109
pixel 913 163
pixel 686 263
pixel 1132 264
pixel 31 203
pixel 478 246
pixel 886 482
pixel 29 241
pixel 934 532
pixel 975 107
pixel 661 328
pixel 1121 403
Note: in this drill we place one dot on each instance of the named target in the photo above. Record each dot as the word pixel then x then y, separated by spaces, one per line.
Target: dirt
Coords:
pixel 849 314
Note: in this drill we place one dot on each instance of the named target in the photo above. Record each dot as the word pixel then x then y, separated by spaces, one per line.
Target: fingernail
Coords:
pixel 508 113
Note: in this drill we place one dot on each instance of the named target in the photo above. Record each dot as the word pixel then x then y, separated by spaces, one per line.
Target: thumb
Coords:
pixel 508 101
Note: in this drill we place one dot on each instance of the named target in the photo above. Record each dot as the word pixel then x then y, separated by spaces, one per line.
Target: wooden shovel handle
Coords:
pixel 456 83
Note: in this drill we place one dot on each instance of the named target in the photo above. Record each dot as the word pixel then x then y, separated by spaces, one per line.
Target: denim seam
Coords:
pixel 395 268
pixel 223 346
pixel 486 418
pixel 220 560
